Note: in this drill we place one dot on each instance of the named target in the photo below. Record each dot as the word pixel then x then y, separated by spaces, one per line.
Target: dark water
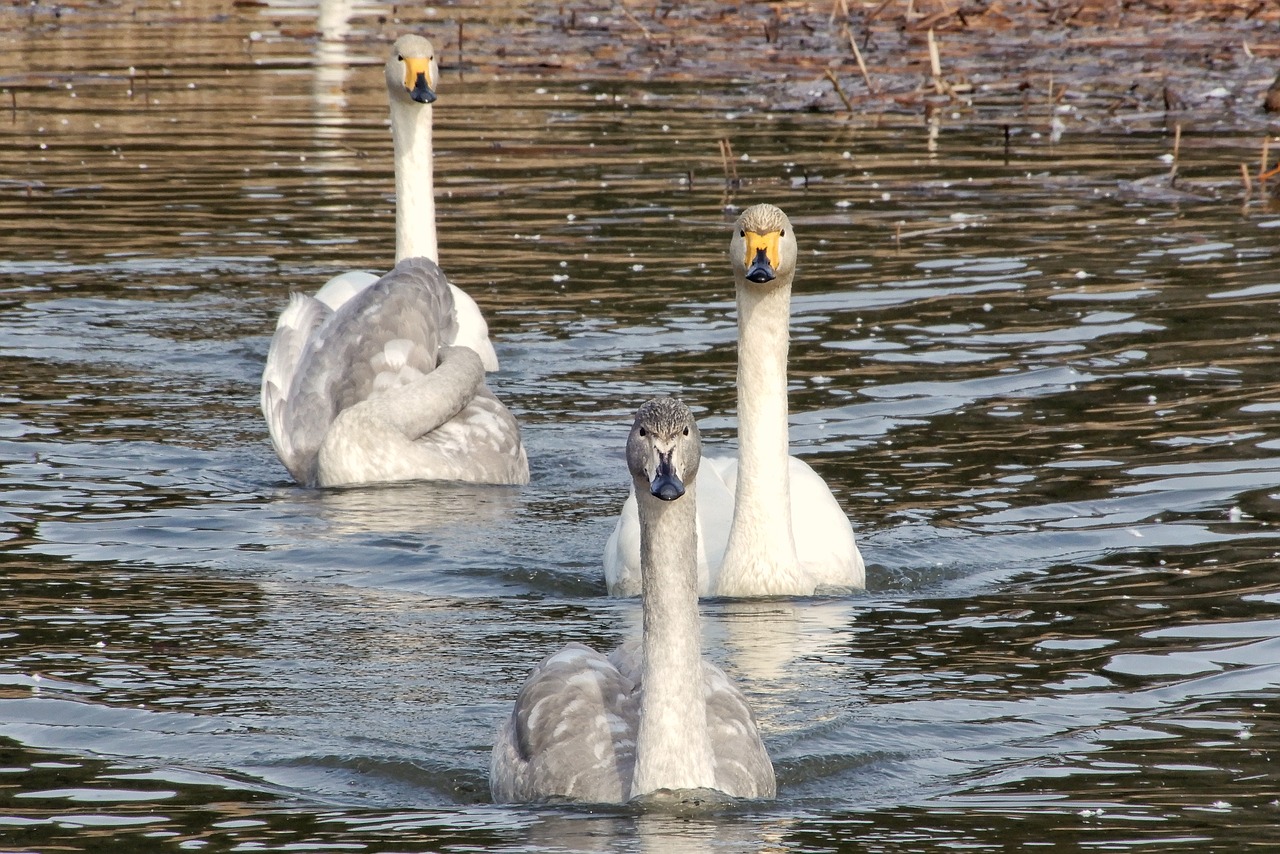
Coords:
pixel 1040 380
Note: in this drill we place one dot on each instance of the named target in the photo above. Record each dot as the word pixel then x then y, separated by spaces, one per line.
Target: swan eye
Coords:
pixel 742 232
pixel 399 58
pixel 686 431
pixel 782 233
pixel 643 432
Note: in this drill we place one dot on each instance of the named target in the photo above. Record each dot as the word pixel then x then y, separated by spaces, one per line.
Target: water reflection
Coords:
pixel 1045 399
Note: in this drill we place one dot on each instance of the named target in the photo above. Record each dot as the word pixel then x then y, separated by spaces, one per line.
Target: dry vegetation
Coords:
pixel 1210 59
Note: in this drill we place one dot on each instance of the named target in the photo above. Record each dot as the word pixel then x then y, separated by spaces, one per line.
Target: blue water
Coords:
pixel 1042 388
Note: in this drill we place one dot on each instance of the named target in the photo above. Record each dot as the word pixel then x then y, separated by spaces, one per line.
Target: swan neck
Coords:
pixel 415 183
pixel 761 543
pixel 763 341
pixel 673 748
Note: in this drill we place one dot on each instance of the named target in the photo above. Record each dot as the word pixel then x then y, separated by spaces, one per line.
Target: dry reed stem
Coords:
pixel 862 66
pixel 839 91
pixel 935 65
pixel 633 19
pixel 730 168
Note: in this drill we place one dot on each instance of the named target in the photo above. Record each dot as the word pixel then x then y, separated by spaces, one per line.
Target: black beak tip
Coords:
pixel 760 275
pixel 667 488
pixel 423 95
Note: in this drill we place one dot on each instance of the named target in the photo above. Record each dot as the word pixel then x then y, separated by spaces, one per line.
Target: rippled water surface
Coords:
pixel 1040 379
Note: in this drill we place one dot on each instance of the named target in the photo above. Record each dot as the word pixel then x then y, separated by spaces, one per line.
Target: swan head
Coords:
pixel 664 448
pixel 763 247
pixel 412 72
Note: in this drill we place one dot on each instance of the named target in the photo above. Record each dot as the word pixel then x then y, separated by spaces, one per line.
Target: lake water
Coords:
pixel 1041 380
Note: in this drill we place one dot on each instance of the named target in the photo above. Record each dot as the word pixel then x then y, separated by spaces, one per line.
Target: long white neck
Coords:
pixel 673 748
pixel 760 556
pixel 415 186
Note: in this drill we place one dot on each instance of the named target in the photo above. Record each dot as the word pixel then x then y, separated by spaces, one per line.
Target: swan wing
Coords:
pixel 294 330
pixel 571 734
pixel 825 545
pixel 473 331
pixel 717 480
pixel 385 335
pixel 742 765
pixel 342 287
pixel 622 551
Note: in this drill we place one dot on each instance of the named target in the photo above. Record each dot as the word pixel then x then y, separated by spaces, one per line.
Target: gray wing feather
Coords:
pixel 742 764
pixel 297 324
pixel 571 735
pixel 387 335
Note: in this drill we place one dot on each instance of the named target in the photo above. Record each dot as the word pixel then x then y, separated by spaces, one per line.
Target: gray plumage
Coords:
pixel 368 389
pixel 653 715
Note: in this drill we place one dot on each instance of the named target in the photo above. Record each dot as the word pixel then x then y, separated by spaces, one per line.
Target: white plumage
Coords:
pixel 767 522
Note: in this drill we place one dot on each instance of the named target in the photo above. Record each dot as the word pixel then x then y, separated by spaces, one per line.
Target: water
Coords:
pixel 1039 379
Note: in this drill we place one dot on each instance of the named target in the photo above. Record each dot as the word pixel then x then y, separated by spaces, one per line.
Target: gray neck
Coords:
pixel 415 187
pixel 761 543
pixel 673 748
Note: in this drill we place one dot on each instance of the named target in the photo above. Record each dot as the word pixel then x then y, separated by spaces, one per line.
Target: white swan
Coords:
pixel 748 542
pixel 606 730
pixel 353 343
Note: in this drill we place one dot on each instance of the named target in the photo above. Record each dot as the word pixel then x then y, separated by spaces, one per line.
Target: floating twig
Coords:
pixel 935 65
pixel 730 167
pixel 633 19
pixel 831 75
pixel 862 66
pixel 1248 183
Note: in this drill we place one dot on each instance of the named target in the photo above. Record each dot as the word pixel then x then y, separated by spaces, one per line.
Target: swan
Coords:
pixel 599 729
pixel 748 544
pixel 361 345
pixel 379 393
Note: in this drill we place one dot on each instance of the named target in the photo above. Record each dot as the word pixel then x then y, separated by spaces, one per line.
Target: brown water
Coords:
pixel 1041 382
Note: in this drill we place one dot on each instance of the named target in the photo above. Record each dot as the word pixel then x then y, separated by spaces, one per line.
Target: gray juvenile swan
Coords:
pixel 355 388
pixel 606 730
pixel 750 542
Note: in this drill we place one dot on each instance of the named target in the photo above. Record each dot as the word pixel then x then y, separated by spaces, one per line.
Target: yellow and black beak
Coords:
pixel 417 79
pixel 761 258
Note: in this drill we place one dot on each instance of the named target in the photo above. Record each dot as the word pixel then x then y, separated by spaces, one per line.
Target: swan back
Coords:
pixel 385 336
